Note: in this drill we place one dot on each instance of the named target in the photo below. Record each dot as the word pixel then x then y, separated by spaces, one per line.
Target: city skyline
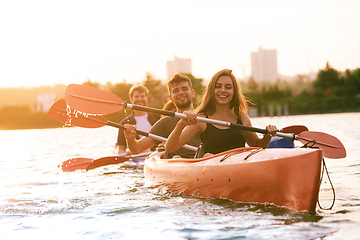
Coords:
pixel 46 42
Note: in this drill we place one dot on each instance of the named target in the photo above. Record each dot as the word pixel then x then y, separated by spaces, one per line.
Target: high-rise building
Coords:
pixel 264 65
pixel 179 65
pixel 44 101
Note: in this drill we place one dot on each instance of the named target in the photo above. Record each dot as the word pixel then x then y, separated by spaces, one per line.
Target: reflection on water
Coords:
pixel 111 202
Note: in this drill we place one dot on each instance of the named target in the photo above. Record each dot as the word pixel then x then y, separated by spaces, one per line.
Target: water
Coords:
pixel 37 200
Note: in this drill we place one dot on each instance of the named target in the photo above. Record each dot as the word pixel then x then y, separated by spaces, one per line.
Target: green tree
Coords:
pixel 273 93
pixel 157 91
pixel 327 80
pixel 122 91
pixel 252 85
pixel 351 83
pixel 197 86
pixel 12 117
pixel 356 80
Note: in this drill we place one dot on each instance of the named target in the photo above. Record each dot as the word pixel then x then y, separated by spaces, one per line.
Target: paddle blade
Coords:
pixel 74 164
pixel 107 161
pixel 296 129
pixel 331 146
pixel 58 112
pixel 92 100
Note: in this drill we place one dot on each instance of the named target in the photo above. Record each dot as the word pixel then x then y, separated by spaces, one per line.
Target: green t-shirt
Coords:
pixel 164 127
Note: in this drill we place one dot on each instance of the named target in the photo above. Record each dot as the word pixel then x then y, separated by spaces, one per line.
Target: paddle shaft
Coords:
pixel 82 93
pixel 120 126
pixel 290 136
pixel 207 120
pixel 74 164
pixel 95 101
pixel 85 161
pixel 144 154
pixel 150 135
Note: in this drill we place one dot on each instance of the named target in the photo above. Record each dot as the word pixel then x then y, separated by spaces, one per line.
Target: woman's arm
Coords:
pixel 184 131
pixel 252 138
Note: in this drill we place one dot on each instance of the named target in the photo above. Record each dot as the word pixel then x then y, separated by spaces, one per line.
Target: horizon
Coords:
pixel 46 43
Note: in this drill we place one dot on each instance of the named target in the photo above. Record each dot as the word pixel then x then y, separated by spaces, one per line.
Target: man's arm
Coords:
pixel 138 146
pixel 134 145
pixel 121 149
pixel 160 128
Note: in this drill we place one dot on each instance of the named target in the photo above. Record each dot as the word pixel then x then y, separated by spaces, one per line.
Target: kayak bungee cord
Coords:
pixel 237 152
pixel 332 187
pixel 311 144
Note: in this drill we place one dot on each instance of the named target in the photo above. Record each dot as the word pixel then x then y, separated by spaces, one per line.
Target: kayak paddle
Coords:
pixel 58 112
pixel 96 101
pixel 296 129
pixel 74 164
pixel 113 160
pixel 80 98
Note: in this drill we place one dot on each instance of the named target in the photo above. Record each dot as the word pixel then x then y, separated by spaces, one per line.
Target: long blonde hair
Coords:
pixel 238 103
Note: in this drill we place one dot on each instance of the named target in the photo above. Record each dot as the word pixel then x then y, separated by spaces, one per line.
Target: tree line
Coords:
pixel 331 91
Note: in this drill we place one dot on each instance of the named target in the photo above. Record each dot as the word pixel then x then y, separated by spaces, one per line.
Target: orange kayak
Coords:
pixel 286 177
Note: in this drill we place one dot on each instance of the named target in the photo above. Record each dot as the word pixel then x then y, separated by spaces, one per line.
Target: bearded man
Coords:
pixel 181 94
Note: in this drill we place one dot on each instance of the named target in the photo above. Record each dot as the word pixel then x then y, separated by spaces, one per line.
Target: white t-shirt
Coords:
pixel 142 123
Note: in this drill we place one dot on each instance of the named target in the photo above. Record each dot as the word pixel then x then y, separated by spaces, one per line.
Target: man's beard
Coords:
pixel 183 104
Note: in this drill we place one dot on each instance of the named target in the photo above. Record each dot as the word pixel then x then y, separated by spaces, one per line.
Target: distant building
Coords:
pixel 44 101
pixel 264 65
pixel 179 65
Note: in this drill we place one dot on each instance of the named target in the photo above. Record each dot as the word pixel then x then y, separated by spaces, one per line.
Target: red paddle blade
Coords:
pixel 92 100
pixel 107 161
pixel 331 146
pixel 58 112
pixel 74 164
pixel 296 129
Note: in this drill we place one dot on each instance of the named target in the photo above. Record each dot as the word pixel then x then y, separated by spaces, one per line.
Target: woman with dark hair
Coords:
pixel 223 100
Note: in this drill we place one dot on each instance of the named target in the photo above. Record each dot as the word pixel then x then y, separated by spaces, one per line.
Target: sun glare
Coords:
pixel 45 42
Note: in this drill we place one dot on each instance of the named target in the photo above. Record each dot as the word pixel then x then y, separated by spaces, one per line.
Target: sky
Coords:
pixel 62 42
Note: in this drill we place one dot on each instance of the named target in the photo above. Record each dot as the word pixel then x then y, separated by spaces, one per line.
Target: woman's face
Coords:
pixel 224 90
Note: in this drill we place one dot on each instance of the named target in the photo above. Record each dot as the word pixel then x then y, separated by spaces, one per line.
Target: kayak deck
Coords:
pixel 283 177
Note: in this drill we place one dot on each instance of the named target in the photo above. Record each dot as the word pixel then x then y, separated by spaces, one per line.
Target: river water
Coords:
pixel 38 200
